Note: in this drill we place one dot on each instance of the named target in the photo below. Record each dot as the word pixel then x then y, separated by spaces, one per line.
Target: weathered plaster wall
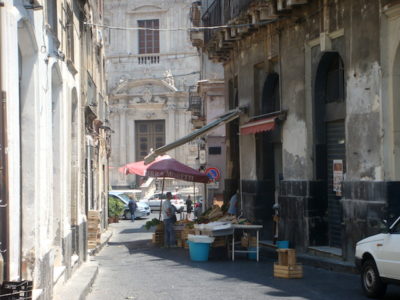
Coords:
pixel 363 80
pixel 34 251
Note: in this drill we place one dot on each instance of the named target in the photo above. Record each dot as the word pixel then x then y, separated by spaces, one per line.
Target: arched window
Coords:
pixel 270 96
pixel 335 80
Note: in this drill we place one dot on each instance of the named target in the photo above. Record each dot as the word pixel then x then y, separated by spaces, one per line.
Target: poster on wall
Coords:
pixel 337 176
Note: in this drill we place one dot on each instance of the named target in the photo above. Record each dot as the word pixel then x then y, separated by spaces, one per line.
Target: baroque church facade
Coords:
pixel 151 68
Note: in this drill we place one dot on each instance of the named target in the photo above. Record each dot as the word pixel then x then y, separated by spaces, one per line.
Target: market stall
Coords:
pixel 214 227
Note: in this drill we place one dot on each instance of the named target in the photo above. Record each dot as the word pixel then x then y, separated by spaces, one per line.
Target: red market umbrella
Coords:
pixel 174 169
pixel 138 167
pixel 165 166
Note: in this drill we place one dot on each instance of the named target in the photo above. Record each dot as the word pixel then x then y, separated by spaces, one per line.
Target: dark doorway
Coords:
pixel 330 142
pixel 269 153
pixel 232 181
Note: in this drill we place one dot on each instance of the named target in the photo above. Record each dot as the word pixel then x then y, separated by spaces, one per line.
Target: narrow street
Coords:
pixel 132 268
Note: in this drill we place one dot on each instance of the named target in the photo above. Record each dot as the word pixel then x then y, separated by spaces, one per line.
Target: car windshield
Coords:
pixel 396 227
pixel 124 197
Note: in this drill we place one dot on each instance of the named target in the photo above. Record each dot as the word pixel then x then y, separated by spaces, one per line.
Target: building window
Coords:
pixel 335 81
pixel 148 135
pixel 214 150
pixel 149 40
pixel 52 15
pixel 70 33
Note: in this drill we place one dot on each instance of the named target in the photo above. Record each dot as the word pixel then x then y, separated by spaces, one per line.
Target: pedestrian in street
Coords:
pixel 168 212
pixel 132 208
pixel 189 207
pixel 233 204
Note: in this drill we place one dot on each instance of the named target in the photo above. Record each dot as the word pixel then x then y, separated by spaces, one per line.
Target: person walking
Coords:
pixel 132 208
pixel 189 207
pixel 168 212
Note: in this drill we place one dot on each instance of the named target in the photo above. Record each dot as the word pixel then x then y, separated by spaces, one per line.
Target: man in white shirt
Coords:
pixel 167 212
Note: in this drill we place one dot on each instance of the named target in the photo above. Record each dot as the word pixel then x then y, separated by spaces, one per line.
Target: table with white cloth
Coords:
pixel 246 227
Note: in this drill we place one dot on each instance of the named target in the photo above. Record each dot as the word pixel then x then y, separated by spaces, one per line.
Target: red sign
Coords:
pixel 213 173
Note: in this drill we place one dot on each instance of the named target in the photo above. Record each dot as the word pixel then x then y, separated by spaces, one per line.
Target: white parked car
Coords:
pixel 154 201
pixel 378 259
pixel 143 209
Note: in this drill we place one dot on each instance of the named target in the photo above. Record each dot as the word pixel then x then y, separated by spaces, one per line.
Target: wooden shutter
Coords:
pixel 149 40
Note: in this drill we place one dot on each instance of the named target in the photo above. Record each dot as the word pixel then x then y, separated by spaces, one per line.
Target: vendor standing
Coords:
pixel 233 204
pixel 167 212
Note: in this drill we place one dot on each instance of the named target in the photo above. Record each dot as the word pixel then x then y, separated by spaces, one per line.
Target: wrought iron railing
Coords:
pixel 195 105
pixel 220 12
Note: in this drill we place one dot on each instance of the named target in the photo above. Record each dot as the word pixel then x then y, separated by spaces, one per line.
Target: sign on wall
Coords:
pixel 213 173
pixel 337 176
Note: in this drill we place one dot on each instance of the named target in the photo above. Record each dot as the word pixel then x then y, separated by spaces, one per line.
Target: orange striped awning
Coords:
pixel 252 127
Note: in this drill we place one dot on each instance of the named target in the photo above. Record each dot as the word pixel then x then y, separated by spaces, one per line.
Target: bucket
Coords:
pixel 199 251
pixel 252 255
pixel 282 244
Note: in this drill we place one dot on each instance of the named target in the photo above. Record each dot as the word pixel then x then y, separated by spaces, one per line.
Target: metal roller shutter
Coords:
pixel 336 149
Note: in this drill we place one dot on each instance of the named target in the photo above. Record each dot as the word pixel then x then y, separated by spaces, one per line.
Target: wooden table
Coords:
pixel 246 227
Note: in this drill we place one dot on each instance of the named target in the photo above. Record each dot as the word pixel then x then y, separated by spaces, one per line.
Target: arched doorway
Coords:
pixel 330 140
pixel 269 152
pixel 74 169
pixel 29 140
pixel 56 107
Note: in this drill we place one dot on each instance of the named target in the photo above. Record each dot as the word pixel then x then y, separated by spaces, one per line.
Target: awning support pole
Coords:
pixel 205 200
pixel 162 193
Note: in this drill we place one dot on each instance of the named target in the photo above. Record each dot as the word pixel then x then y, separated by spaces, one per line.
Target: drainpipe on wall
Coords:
pixel 89 173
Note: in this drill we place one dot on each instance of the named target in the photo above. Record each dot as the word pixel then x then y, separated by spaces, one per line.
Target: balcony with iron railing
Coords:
pixel 243 17
pixel 195 105
pixel 220 12
pixel 196 108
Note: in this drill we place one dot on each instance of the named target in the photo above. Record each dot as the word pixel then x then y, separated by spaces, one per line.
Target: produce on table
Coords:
pixel 153 222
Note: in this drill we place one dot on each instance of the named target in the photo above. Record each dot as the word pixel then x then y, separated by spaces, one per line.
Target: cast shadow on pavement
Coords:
pixel 316 284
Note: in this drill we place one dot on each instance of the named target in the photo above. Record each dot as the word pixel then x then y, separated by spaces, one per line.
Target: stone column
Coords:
pixel 122 140
pixel 170 126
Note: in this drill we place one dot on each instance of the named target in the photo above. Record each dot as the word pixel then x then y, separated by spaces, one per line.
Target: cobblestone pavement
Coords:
pixel 132 268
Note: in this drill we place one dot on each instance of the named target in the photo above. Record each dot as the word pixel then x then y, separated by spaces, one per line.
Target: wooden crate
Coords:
pixel 178 234
pixel 92 244
pixel 158 238
pixel 248 241
pixel 185 244
pixel 286 257
pixel 219 242
pixel 288 271
pixel 179 243
pixel 94 214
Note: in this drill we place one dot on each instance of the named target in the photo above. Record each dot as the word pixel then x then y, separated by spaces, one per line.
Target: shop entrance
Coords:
pixel 269 153
pixel 330 143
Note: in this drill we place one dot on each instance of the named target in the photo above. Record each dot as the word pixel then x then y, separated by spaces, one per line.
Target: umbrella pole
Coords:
pixel 205 200
pixel 162 193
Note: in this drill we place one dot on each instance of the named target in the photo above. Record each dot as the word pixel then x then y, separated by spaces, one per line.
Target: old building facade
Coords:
pixel 54 138
pixel 319 135
pixel 150 73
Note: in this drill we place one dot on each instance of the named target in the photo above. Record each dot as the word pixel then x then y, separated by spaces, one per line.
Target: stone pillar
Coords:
pixel 170 127
pixel 122 135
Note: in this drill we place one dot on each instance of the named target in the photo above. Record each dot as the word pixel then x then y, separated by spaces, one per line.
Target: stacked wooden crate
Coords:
pixel 220 241
pixel 248 241
pixel 178 236
pixel 94 232
pixel 184 236
pixel 287 267
pixel 158 237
